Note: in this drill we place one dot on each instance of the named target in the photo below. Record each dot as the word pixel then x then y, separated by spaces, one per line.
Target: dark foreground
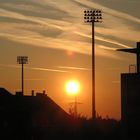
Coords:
pixel 82 129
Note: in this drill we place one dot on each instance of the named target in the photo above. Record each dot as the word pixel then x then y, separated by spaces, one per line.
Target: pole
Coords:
pixel 75 107
pixel 93 74
pixel 22 80
pixel 93 16
pixel 138 57
pixel 22 60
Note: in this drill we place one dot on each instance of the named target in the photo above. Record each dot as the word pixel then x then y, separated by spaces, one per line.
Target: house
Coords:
pixel 31 115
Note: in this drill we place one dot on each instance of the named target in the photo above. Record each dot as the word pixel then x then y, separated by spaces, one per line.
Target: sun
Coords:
pixel 72 87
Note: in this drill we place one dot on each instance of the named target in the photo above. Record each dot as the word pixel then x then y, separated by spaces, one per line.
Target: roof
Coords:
pixel 4 92
pixel 38 110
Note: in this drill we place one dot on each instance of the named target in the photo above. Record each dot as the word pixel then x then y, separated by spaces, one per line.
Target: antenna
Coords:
pixel 74 107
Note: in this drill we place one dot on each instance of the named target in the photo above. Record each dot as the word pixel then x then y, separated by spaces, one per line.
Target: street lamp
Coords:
pixel 93 16
pixel 22 60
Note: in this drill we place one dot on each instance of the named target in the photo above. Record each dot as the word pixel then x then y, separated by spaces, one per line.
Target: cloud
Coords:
pixel 104 51
pixel 34 68
pixel 104 40
pixel 107 10
pixel 73 68
pixel 60 27
pixel 35 20
pixel 9 66
pixel 51 70
pixel 108 48
pixel 112 42
pixel 33 79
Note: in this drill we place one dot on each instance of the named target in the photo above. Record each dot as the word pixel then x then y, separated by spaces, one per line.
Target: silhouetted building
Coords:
pixel 130 99
pixel 130 95
pixel 28 115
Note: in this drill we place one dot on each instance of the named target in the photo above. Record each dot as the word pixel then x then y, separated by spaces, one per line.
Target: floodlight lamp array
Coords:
pixel 22 59
pixel 92 16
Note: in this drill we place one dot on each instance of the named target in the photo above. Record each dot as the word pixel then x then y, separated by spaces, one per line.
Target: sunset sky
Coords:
pixel 52 33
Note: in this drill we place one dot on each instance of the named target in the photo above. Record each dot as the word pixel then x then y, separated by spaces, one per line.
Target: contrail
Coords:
pixel 35 68
pixel 73 68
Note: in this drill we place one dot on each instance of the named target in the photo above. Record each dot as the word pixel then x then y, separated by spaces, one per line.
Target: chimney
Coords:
pixel 19 93
pixel 33 92
pixel 44 92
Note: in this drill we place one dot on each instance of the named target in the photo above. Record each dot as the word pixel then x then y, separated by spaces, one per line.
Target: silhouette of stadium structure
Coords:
pixel 130 98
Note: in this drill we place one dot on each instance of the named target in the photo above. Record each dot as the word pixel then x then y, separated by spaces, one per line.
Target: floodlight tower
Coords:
pixel 22 60
pixel 93 16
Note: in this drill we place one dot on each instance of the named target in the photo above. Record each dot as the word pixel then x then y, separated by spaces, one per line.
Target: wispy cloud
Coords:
pixel 73 68
pixel 34 68
pixel 51 70
pixel 105 40
pixel 108 48
pixel 106 52
pixel 41 25
pixel 33 79
pixel 111 41
pixel 9 66
pixel 107 10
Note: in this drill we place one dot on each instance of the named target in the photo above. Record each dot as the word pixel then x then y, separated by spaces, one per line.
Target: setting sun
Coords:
pixel 72 87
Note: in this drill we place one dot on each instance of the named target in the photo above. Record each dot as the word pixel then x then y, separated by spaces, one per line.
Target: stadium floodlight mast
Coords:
pixel 93 16
pixel 22 60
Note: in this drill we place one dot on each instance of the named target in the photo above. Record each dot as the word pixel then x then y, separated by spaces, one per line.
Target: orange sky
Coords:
pixel 58 44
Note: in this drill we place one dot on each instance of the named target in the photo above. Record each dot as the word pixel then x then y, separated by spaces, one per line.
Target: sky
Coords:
pixel 53 35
